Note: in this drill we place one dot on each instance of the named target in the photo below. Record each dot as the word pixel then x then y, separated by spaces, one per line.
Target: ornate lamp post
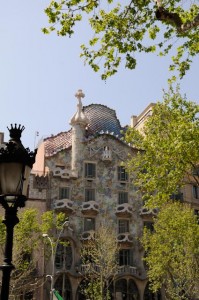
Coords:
pixel 15 166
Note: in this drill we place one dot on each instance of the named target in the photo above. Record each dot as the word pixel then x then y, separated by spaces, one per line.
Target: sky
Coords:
pixel 40 74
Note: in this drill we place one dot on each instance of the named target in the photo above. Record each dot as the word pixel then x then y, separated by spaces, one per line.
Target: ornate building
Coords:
pixel 84 177
pixel 80 172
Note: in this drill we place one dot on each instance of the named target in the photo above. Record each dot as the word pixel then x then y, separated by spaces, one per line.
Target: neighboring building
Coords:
pixel 138 121
pixel 80 172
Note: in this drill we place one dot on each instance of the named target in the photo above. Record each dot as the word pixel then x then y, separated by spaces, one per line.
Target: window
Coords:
pixel 122 197
pixel 63 286
pixel 196 171
pixel 123 226
pixel 196 191
pixel 63 258
pixel 90 170
pixel 64 193
pixel 196 212
pixel 149 225
pixel 122 173
pixel 125 257
pixel 89 224
pixel 89 194
pixel 177 196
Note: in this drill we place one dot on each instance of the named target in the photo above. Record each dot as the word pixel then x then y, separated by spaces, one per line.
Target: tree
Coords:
pixel 172 252
pixel 26 247
pixel 168 149
pixel 123 29
pixel 99 256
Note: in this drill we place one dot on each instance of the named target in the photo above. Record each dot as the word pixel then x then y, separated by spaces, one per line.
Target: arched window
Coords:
pixel 133 291
pixel 64 258
pixel 80 295
pixel 63 286
pixel 126 290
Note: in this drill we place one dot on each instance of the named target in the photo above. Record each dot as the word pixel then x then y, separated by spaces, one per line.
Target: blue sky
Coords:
pixel 39 75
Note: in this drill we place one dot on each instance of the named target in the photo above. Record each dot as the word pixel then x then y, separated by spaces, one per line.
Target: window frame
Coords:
pixel 122 174
pixel 86 224
pixel 123 226
pixel 149 225
pixel 123 197
pixel 125 257
pixel 64 190
pixel 89 194
pixel 90 174
pixel 61 256
pixel 195 191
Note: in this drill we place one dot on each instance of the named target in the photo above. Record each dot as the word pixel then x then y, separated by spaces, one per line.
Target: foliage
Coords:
pixel 120 30
pixel 27 244
pixel 168 149
pixel 172 252
pixel 99 256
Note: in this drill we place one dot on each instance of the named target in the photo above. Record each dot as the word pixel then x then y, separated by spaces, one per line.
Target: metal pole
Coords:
pixel 10 221
pixel 53 268
pixel 53 254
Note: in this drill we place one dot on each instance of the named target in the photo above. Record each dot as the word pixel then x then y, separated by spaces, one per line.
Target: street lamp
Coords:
pixel 53 254
pixel 15 166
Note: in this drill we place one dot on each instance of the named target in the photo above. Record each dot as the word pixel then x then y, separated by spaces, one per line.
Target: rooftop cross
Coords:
pixel 79 117
pixel 79 95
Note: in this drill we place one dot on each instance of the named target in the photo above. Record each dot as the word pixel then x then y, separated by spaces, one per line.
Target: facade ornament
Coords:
pixel 79 117
pixel 107 154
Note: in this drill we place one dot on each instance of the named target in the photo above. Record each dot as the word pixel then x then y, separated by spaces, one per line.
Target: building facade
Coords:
pixel 80 172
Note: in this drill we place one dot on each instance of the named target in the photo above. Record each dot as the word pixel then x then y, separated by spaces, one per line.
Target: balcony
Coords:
pixel 127 270
pixel 90 208
pixel 146 212
pixel 85 268
pixel 88 235
pixel 64 205
pixel 124 210
pixel 63 173
pixel 125 238
pixel 121 270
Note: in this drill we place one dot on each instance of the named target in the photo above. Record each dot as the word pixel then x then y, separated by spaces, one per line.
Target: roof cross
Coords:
pixel 79 95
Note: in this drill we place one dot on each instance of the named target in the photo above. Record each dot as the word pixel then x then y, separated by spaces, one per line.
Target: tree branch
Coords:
pixel 174 19
pixel 169 17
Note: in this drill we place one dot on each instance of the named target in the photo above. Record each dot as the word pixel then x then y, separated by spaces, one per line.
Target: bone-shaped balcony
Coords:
pixel 124 210
pixel 90 207
pixel 64 205
pixel 146 212
pixel 125 238
pixel 88 235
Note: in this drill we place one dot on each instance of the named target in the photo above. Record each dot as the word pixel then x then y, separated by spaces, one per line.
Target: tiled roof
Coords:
pixel 102 118
pixel 56 143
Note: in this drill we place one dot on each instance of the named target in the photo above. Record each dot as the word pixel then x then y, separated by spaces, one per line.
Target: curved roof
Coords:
pixel 56 143
pixel 102 118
